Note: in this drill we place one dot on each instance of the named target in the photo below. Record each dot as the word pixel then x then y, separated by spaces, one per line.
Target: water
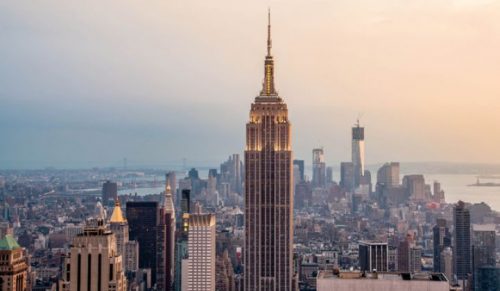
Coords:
pixel 455 188
pixel 142 191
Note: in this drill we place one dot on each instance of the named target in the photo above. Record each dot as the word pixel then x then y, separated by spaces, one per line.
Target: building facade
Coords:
pixel 198 270
pixel 143 219
pixel 441 240
pixel 374 256
pixel 319 168
pixel 462 258
pixel 358 153
pixel 94 262
pixel 268 251
pixel 109 191
pixel 13 265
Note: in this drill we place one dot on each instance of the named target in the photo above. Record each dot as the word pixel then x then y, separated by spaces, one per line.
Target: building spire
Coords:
pixel 269 43
pixel 268 84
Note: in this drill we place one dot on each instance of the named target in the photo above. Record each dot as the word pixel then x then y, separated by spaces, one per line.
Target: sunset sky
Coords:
pixel 87 83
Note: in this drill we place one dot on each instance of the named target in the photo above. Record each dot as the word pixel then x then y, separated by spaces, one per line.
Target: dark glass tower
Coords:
pixel 268 256
pixel 143 220
pixel 462 250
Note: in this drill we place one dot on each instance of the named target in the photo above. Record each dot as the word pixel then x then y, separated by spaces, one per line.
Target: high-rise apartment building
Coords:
pixel 144 219
pixel 462 258
pixel 198 270
pixel 374 256
pixel 441 240
pixel 13 265
pixel 319 168
pixel 358 153
pixel 94 262
pixel 268 251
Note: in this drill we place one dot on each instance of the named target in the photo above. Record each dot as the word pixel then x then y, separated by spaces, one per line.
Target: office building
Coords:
pixel 347 176
pixel 319 168
pixel 373 256
pixel 409 256
pixel 93 262
pixel 119 226
pixel 446 263
pixel 483 249
pixel 166 241
pixel 388 175
pixel 109 192
pixel 462 241
pixel 13 265
pixel 198 269
pixel 171 177
pixel 268 257
pixel 441 240
pixel 329 175
pixel 487 278
pixel 144 219
pixel 415 187
pixel 300 164
pixel 358 153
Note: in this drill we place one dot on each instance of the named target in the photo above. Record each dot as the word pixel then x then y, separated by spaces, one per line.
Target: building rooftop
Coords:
pixel 382 276
pixel 8 243
pixel 202 219
pixel 484 227
pixel 117 216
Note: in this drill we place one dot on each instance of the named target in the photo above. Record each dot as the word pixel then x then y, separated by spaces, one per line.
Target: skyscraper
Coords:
pixel 143 219
pixel 166 241
pixel 94 263
pixel 415 187
pixel 198 270
pixel 347 175
pixel 181 236
pixel 388 175
pixel 373 256
pixel 462 249
pixel 319 168
pixel 127 249
pixel 109 191
pixel 268 254
pixel 358 153
pixel 483 249
pixel 441 240
pixel 300 164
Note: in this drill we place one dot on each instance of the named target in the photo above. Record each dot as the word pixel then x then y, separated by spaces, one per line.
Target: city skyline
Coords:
pixel 74 82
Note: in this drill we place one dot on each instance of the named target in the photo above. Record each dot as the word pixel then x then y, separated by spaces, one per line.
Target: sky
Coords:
pixel 88 83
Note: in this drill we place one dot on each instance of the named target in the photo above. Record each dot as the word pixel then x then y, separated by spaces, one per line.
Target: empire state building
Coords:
pixel 268 255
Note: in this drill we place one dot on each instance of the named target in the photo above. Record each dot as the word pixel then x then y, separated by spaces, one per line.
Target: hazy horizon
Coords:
pixel 90 83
